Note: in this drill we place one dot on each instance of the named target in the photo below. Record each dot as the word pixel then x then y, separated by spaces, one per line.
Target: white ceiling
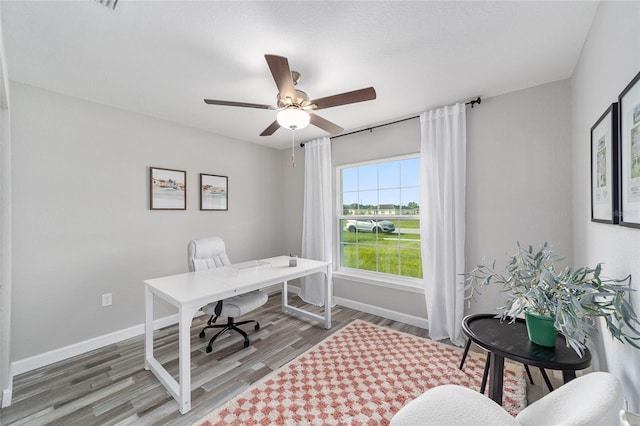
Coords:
pixel 161 58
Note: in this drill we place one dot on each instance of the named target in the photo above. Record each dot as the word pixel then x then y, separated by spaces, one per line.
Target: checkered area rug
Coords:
pixel 360 375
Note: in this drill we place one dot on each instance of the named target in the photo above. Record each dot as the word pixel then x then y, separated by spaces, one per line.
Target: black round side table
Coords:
pixel 505 340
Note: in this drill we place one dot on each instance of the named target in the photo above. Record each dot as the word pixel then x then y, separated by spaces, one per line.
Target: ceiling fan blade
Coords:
pixel 271 129
pixel 237 104
pixel 279 67
pixel 345 98
pixel 325 124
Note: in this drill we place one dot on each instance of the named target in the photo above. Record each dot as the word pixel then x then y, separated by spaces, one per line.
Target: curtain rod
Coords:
pixel 369 129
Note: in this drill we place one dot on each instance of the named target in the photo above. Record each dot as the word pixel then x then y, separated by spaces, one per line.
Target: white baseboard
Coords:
pixel 7 395
pixel 383 312
pixel 376 310
pixel 47 358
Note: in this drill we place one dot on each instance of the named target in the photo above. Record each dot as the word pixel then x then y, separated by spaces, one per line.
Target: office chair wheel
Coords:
pixel 257 327
pixel 201 334
pixel 209 349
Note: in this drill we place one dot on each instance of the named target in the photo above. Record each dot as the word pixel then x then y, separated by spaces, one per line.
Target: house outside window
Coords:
pixel 378 219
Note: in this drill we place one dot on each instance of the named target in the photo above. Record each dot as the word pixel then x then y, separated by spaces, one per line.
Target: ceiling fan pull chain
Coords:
pixel 293 155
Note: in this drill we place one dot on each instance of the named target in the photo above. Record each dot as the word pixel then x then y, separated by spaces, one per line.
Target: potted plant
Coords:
pixel 572 300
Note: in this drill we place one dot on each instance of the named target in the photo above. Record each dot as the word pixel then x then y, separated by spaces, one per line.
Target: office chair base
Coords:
pixel 230 325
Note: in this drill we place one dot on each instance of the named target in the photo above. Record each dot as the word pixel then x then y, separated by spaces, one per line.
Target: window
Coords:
pixel 379 222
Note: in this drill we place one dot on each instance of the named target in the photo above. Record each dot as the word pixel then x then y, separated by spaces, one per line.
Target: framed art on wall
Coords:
pixel 604 167
pixel 629 124
pixel 168 189
pixel 213 192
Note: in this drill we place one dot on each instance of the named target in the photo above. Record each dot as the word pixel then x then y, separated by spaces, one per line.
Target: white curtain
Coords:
pixel 316 224
pixel 442 218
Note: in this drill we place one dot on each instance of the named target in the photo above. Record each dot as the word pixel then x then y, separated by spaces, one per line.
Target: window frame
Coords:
pixel 362 275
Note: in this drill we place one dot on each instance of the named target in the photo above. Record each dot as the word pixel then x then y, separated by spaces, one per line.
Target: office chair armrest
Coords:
pixel 218 308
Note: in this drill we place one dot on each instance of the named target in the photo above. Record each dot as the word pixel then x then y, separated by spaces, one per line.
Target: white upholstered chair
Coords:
pixel 594 399
pixel 208 253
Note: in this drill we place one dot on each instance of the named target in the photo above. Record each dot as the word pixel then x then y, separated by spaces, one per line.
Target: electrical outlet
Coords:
pixel 107 299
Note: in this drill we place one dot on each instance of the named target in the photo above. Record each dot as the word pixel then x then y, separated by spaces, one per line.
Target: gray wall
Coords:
pixel 609 60
pixel 81 220
pixel 519 178
pixel 518 184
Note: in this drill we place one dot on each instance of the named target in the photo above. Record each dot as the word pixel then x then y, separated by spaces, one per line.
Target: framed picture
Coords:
pixel 168 189
pixel 214 194
pixel 604 167
pixel 629 123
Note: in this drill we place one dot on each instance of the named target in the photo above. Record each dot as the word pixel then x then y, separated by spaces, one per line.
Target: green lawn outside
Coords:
pixel 407 223
pixel 397 253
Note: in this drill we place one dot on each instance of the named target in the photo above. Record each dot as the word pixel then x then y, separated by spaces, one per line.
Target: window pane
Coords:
pixel 410 198
pixel 389 202
pixel 388 260
pixel 409 233
pixel 410 172
pixel 367 257
pixel 389 175
pixel 350 179
pixel 411 265
pixel 348 253
pixel 368 177
pixel 368 201
pixel 350 203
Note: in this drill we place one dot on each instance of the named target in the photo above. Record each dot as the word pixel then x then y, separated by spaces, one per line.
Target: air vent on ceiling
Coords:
pixel 109 4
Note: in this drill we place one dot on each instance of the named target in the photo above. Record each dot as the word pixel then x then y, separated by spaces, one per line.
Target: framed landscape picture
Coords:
pixel 604 167
pixel 168 189
pixel 213 192
pixel 629 119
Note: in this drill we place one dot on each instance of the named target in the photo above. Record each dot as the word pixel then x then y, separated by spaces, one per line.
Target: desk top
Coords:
pixel 512 341
pixel 202 287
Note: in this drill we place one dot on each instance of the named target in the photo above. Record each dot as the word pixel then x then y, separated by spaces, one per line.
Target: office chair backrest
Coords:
pixel 206 253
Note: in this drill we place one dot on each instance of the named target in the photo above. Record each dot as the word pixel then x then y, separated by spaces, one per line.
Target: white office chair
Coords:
pixel 208 253
pixel 594 399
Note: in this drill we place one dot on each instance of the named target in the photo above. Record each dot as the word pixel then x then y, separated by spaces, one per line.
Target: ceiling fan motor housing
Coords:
pixel 301 100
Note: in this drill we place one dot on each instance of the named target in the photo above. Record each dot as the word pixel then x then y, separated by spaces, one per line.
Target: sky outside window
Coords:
pixel 395 182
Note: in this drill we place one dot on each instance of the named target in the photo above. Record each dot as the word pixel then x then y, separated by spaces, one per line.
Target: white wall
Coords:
pixel 81 220
pixel 518 184
pixel 609 60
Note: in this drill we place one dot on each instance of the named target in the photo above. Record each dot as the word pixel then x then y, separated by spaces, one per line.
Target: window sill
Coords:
pixel 413 285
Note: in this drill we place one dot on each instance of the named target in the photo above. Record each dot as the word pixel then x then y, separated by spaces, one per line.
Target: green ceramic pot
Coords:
pixel 541 330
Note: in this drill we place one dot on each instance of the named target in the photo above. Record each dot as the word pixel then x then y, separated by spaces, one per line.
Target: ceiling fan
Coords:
pixel 294 105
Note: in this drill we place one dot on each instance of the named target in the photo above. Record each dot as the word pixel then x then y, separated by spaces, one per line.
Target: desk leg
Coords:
pixel 328 298
pixel 184 377
pixel 568 375
pixel 497 370
pixel 285 296
pixel 148 326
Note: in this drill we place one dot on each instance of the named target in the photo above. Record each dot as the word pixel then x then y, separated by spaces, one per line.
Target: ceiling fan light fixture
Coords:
pixel 293 118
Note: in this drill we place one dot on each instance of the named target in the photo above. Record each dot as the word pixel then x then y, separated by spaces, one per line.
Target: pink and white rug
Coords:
pixel 362 374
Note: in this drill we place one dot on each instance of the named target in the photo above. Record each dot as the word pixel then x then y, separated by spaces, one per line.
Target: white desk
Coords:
pixel 191 291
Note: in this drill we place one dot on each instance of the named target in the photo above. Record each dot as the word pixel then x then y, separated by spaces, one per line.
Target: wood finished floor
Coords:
pixel 110 386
